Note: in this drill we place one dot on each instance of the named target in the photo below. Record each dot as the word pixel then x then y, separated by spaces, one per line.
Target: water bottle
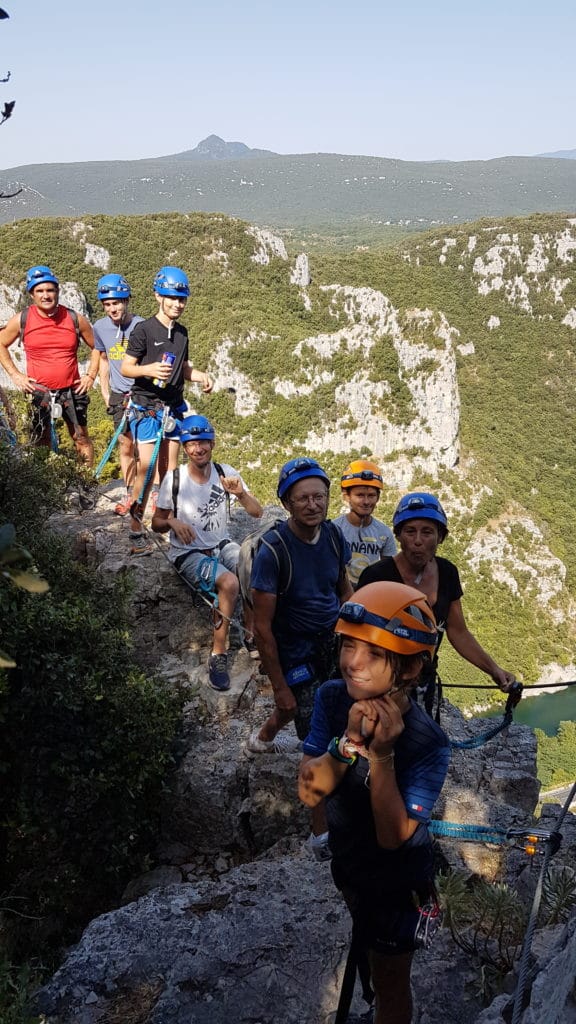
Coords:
pixel 168 359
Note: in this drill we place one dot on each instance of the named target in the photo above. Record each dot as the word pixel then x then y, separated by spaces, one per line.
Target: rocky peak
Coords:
pixel 215 148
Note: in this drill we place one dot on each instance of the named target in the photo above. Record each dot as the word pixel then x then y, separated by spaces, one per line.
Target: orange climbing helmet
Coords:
pixel 390 615
pixel 361 473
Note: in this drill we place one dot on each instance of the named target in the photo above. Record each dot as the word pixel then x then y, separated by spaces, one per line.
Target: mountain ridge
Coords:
pixel 315 191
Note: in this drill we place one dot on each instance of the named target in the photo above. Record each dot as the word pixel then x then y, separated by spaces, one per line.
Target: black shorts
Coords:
pixel 74 409
pixel 117 408
pixel 391 923
pixel 304 694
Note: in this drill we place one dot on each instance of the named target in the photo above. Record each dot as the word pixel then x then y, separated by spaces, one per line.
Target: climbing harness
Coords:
pixel 113 440
pixel 167 423
pixel 196 591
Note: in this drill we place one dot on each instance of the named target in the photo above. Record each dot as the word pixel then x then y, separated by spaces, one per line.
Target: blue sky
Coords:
pixel 418 81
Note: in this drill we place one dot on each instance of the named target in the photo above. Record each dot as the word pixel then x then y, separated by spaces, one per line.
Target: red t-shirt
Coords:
pixel 51 347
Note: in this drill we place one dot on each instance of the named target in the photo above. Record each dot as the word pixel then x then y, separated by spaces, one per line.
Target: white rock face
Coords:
pixel 268 245
pixel 493 322
pixel 80 230
pixel 557 286
pixel 226 375
pixel 565 246
pixel 514 267
pixel 10 299
pixel 288 389
pixel 97 256
pixel 428 371
pixel 449 243
pixel 466 350
pixel 517 293
pixel 537 261
pixel 300 274
pixel 519 557
pixel 221 258
pixel 570 318
pixel 71 296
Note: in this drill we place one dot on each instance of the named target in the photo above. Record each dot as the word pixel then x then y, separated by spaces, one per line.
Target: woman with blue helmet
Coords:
pixel 420 525
pixel 157 361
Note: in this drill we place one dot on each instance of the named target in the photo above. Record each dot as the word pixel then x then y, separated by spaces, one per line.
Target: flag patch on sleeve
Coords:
pixel 416 807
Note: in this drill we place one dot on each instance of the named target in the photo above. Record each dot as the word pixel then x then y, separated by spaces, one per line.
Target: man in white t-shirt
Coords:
pixel 193 504
pixel 369 539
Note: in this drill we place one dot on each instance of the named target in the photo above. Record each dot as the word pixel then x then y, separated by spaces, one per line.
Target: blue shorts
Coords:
pixel 145 423
pixel 192 565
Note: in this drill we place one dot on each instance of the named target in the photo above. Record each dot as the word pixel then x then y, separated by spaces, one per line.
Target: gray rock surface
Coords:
pixel 256 932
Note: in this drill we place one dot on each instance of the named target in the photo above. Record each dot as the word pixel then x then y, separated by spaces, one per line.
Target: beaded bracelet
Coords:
pixel 335 753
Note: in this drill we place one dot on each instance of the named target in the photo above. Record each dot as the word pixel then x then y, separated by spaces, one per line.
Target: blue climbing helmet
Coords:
pixel 113 286
pixel 419 505
pixel 40 275
pixel 196 428
pixel 171 281
pixel 299 469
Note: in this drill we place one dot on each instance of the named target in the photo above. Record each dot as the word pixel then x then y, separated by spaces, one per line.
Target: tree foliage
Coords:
pixel 84 736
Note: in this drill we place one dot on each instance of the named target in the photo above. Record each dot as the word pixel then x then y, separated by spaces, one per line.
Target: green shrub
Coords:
pixel 85 737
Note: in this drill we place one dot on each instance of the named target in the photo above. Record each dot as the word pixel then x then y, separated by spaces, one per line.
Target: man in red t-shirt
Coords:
pixel 50 341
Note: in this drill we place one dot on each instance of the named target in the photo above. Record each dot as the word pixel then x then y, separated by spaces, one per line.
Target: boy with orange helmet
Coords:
pixel 380 762
pixel 369 539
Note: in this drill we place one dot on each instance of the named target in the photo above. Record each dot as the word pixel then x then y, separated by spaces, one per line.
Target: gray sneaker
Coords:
pixel 283 743
pixel 218 672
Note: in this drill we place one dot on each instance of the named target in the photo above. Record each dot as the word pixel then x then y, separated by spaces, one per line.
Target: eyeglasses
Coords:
pixel 306 499
pixel 366 474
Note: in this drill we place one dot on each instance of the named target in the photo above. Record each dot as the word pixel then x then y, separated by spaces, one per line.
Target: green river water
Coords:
pixel 546 711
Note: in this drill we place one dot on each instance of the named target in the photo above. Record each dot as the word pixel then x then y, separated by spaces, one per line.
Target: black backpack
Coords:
pixel 270 536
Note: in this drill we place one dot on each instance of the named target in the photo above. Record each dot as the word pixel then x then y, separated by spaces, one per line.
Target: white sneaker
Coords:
pixel 319 846
pixel 283 743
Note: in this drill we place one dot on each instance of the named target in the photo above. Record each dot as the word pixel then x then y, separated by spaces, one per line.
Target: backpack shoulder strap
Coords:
pixel 175 489
pixel 23 319
pixel 76 322
pixel 276 544
pixel 221 473
pixel 336 538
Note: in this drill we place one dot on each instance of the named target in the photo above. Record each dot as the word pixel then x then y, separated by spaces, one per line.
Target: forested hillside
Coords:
pixel 449 358
pixel 328 193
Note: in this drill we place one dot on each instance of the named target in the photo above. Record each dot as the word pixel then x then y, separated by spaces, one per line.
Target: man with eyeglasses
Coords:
pixel 299 581
pixel 51 334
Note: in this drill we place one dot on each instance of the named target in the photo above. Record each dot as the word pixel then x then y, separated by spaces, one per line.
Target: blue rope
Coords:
pixel 153 460
pixel 478 741
pixel 512 700
pixel 111 446
pixel 469 833
pixel 53 437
